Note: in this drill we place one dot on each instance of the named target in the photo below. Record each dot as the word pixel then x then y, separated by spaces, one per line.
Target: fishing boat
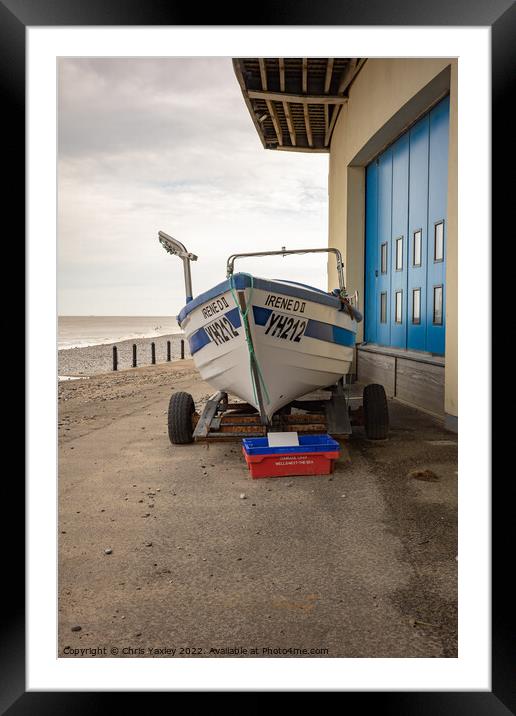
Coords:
pixel 267 341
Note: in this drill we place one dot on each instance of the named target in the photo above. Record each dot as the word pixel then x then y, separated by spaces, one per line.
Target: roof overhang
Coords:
pixel 294 102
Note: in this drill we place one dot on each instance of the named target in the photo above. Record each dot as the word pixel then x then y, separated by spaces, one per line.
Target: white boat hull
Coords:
pixel 301 338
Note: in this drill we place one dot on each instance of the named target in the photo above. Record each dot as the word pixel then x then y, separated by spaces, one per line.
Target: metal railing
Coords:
pixel 285 252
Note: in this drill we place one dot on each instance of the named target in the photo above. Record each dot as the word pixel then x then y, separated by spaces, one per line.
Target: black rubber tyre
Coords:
pixel 376 412
pixel 180 411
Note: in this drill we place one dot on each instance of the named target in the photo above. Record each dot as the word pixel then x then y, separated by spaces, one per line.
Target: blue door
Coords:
pixel 436 246
pixel 399 253
pixel 383 282
pixel 405 271
pixel 418 234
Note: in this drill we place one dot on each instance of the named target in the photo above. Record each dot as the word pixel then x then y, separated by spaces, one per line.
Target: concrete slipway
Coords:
pixel 358 564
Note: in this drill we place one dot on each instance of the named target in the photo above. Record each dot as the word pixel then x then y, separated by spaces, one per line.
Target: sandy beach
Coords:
pixel 93 360
pixel 159 554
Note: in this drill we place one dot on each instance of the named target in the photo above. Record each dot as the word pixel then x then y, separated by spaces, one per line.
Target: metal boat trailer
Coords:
pixel 333 410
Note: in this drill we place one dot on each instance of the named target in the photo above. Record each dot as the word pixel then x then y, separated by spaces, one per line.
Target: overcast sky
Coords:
pixel 149 144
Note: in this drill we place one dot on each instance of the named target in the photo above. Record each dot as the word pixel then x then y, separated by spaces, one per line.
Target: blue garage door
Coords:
pixel 406 191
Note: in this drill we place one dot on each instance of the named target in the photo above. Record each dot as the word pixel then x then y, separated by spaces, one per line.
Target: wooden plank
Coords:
pixel 420 384
pixel 308 128
pixel 329 131
pixel 286 148
pixel 286 106
pixel 407 354
pixel 307 125
pixel 275 121
pixel 329 73
pixel 349 74
pixel 324 99
pixel 202 427
pixel 290 123
pixel 272 110
pixel 327 83
pixel 263 73
pixel 294 418
pixel 282 73
pixel 376 368
pixel 237 66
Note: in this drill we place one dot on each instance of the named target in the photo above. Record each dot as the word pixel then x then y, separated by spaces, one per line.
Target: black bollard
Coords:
pixel 115 358
pixel 153 353
pixel 134 355
pixel 168 351
pixel 182 349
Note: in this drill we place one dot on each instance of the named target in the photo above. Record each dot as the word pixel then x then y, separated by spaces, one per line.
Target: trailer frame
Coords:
pixel 329 411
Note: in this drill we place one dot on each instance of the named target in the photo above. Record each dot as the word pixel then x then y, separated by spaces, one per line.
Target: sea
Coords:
pixel 81 331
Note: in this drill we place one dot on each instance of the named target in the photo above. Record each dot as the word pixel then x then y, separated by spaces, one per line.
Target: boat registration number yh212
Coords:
pixel 290 328
pixel 221 331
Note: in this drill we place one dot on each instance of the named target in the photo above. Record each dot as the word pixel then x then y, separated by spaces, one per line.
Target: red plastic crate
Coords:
pixel 283 464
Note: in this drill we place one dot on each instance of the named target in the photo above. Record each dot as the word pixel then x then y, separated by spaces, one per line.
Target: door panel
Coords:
pixel 399 252
pixel 383 282
pixel 418 222
pixel 437 199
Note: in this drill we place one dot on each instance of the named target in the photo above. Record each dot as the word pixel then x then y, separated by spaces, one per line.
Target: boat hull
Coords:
pixel 301 338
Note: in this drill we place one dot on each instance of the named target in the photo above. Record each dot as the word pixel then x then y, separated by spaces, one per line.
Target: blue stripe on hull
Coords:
pixel 315 329
pixel 261 315
pixel 200 338
pixel 241 281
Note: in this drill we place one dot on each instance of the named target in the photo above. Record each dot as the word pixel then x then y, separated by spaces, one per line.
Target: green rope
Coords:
pixel 250 348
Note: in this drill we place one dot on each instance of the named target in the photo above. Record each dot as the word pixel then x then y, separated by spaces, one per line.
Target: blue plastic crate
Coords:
pixel 307 444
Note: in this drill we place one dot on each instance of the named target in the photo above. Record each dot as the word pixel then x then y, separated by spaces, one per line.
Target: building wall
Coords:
pixel 387 97
pixel 451 378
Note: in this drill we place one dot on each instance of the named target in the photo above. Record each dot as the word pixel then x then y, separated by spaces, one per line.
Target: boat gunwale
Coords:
pixel 241 281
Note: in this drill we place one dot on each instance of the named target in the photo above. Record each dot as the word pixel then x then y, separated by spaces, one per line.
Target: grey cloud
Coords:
pixel 168 143
pixel 110 105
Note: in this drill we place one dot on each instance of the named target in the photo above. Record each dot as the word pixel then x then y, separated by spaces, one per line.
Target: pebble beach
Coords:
pixel 97 359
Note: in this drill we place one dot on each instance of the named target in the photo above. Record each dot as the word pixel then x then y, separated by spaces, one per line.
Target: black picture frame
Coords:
pixel 15 17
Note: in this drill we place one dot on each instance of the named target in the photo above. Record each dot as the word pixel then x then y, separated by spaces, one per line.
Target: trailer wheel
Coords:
pixel 376 412
pixel 180 411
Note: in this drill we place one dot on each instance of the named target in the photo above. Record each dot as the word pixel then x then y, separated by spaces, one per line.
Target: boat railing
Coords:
pixel 285 252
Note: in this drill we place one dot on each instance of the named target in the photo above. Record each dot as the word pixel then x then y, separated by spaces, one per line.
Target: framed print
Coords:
pixel 313 343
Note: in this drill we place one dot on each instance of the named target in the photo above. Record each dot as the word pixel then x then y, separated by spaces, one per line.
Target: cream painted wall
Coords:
pixel 378 98
pixel 451 404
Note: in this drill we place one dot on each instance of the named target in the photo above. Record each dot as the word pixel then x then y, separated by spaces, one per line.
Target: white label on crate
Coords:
pixel 283 439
